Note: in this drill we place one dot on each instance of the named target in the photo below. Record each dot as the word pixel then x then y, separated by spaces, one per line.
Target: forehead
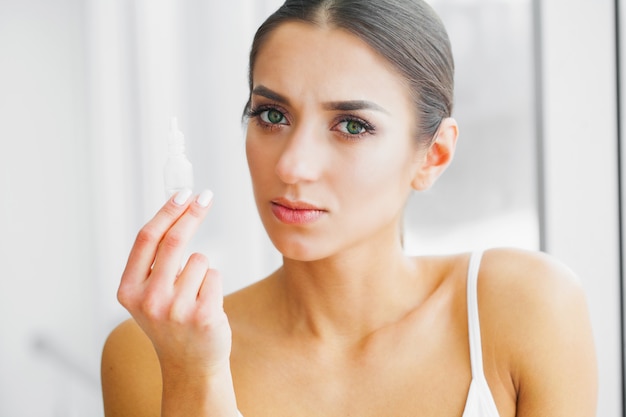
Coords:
pixel 320 62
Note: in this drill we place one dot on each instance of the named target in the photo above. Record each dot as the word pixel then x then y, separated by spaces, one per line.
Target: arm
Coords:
pixel 130 372
pixel 553 364
pixel 181 337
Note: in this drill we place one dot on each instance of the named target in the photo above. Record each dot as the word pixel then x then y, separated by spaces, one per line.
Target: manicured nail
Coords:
pixel 205 198
pixel 182 196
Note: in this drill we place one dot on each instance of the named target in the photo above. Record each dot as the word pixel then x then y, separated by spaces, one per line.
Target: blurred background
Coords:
pixel 87 90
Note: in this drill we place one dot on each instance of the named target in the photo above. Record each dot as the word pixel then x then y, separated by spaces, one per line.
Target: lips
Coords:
pixel 296 212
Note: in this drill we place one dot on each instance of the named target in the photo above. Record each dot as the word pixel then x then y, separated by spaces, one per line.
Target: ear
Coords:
pixel 438 155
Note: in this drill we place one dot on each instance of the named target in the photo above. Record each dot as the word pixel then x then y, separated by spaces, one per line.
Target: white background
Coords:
pixel 87 88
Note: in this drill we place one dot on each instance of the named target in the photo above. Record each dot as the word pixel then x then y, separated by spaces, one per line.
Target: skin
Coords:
pixel 348 325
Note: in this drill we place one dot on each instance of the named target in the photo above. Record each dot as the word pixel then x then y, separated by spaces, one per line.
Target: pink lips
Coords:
pixel 295 212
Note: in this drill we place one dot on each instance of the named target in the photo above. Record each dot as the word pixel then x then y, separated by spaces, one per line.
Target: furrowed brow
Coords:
pixel 346 105
pixel 352 105
pixel 263 91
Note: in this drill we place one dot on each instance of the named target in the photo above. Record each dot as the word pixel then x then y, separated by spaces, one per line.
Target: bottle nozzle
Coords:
pixel 178 170
pixel 176 139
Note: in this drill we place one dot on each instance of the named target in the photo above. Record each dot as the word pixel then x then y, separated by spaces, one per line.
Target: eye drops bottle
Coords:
pixel 178 172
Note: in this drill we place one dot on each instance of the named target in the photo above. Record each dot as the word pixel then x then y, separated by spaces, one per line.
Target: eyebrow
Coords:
pixel 346 105
pixel 351 105
pixel 263 91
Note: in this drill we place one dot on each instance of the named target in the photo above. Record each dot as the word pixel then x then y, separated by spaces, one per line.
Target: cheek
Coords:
pixel 250 155
pixel 258 158
pixel 384 170
pixel 373 191
pixel 258 164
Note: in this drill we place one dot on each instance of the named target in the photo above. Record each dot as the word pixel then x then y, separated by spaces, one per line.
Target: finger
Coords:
pixel 171 250
pixel 211 295
pixel 189 281
pixel 147 242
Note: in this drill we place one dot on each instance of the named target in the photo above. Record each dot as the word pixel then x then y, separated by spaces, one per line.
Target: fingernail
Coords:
pixel 182 196
pixel 205 198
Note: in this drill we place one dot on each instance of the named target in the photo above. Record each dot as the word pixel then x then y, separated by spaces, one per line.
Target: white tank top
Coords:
pixel 479 401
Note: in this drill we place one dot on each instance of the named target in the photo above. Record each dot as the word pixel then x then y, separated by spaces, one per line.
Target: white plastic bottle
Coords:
pixel 178 172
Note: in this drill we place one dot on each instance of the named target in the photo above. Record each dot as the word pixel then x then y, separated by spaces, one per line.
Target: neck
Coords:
pixel 349 296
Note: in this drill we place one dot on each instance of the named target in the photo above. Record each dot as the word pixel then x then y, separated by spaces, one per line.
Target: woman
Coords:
pixel 349 111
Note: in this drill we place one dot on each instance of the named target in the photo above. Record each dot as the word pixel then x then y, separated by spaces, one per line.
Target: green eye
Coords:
pixel 272 116
pixel 354 127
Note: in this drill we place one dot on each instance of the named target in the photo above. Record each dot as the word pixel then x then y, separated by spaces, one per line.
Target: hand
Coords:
pixel 180 310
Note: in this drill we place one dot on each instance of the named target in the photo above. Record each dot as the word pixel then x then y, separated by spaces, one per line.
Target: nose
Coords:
pixel 301 158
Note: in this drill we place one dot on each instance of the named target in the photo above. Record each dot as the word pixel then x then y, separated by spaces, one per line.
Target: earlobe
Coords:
pixel 438 155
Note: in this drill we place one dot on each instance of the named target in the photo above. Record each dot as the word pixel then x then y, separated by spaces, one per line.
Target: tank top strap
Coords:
pixel 476 351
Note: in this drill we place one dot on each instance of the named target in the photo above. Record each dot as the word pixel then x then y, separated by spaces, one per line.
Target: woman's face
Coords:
pixel 330 142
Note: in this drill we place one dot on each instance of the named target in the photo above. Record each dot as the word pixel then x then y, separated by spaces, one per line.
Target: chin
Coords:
pixel 299 248
pixel 299 252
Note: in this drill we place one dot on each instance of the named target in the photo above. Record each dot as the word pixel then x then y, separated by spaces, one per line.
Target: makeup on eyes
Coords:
pixel 348 126
pixel 272 116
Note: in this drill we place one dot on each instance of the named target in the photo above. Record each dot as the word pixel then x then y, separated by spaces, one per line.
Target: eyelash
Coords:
pixel 368 128
pixel 256 112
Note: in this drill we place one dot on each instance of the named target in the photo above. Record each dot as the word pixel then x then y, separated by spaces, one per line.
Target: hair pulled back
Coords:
pixel 407 33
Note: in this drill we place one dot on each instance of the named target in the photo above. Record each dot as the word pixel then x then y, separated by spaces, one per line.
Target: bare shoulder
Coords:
pixel 131 376
pixel 533 312
pixel 530 288
pixel 527 291
pixel 530 279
